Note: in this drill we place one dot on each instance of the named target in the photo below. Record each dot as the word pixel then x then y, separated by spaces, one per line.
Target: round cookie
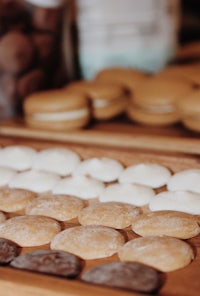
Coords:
pixel 149 174
pixel 35 181
pixel 13 200
pixel 56 110
pixel 154 101
pixel 61 161
pixel 8 251
pixel 163 253
pixel 111 214
pixel 103 169
pixel 170 223
pixel 189 109
pixel 137 195
pixel 79 186
pixel 30 231
pixel 59 207
pixel 89 242
pixel 182 201
pixel 49 262
pixel 6 175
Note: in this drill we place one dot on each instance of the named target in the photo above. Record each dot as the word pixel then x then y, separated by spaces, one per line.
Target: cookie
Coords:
pixel 182 201
pixel 103 169
pixel 14 200
pixel 2 217
pixel 134 194
pixel 169 223
pixel 163 253
pixel 111 214
pixel 149 174
pixel 61 161
pixel 59 207
pixel 8 251
pixel 56 110
pixel 6 175
pixel 79 186
pixel 88 242
pixel 125 275
pixel 49 262
pixel 188 180
pixel 30 231
pixel 35 181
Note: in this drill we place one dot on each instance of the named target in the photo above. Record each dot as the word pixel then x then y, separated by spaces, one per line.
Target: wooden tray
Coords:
pixel 183 282
pixel 118 133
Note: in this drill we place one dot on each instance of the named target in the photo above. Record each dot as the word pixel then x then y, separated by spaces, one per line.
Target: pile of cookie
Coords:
pixel 166 98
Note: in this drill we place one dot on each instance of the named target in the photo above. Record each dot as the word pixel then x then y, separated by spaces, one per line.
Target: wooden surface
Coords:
pixel 183 282
pixel 115 133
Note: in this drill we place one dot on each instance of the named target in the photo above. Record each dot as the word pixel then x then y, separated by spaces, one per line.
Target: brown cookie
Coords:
pixel 50 262
pixel 8 251
pixel 129 276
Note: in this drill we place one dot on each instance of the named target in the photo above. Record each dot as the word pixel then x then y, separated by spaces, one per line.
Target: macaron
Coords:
pixel 189 109
pixel 56 110
pixel 154 102
pixel 108 100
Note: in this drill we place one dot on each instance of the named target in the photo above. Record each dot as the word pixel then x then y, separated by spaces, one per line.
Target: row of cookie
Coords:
pixel 123 275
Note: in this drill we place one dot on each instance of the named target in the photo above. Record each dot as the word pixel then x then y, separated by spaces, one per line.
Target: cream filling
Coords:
pixel 158 109
pixel 60 116
pixel 101 103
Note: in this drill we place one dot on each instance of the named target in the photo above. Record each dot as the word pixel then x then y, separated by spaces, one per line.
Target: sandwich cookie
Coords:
pixel 61 161
pixel 103 169
pixel 149 174
pixel 89 242
pixel 189 109
pixel 154 102
pixel 161 252
pixel 56 110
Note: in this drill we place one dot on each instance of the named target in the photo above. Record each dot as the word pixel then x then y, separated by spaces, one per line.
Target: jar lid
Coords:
pixel 47 3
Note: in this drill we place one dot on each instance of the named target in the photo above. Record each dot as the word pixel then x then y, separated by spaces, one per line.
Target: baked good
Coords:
pixel 56 110
pixel 125 275
pixel 182 201
pixel 111 214
pixel 170 223
pixel 154 101
pixel 189 109
pixel 8 251
pixel 134 194
pixel 2 217
pixel 17 157
pixel 103 169
pixel 150 174
pixel 6 175
pixel 175 72
pixel 59 207
pixel 29 231
pixel 14 200
pixel 161 252
pixel 61 161
pixel 88 242
pixel 49 262
pixel 79 186
pixel 188 180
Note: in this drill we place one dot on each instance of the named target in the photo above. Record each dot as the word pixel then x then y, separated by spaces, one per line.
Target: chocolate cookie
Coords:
pixel 50 262
pixel 8 251
pixel 129 276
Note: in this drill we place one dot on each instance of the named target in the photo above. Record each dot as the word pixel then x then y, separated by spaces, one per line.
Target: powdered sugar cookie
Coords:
pixel 61 161
pixel 13 200
pixel 112 214
pixel 35 181
pixel 59 207
pixel 17 157
pixel 149 174
pixel 6 175
pixel 79 186
pixel 163 253
pixel 137 195
pixel 170 223
pixel 103 169
pixel 185 180
pixel 29 231
pixel 88 242
pixel 182 201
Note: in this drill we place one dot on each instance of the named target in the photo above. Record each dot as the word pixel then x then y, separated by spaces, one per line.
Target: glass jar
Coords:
pixel 30 50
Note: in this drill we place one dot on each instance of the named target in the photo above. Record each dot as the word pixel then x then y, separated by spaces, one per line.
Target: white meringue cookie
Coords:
pixel 185 180
pixel 6 175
